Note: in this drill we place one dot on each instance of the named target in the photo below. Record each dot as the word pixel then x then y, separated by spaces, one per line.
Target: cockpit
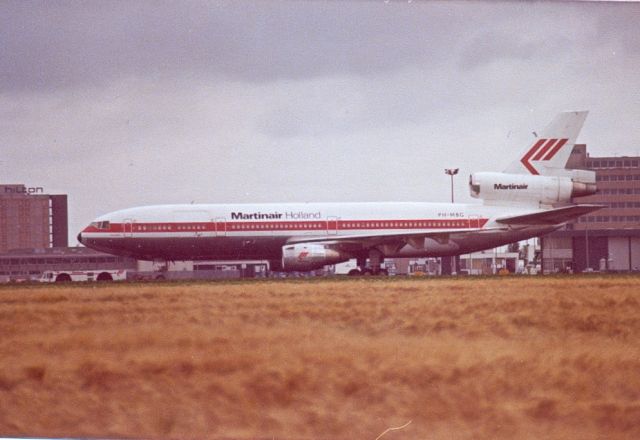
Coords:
pixel 98 227
pixel 104 225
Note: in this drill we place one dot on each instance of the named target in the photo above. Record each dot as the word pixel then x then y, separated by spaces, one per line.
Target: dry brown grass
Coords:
pixel 469 358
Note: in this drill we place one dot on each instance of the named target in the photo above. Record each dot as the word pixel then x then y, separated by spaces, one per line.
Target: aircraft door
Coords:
pixel 221 226
pixel 332 225
pixel 128 228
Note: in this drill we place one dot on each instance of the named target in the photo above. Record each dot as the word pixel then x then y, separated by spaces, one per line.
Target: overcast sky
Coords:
pixel 120 104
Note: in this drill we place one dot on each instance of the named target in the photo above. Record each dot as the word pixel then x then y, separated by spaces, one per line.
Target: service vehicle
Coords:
pixel 61 276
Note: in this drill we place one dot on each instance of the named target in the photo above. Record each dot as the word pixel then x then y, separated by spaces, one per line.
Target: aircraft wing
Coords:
pixel 550 217
pixel 391 238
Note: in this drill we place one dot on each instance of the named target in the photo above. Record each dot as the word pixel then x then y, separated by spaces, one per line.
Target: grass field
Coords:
pixel 528 357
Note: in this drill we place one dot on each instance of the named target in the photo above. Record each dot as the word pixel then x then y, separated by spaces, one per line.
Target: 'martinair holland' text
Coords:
pixel 276 215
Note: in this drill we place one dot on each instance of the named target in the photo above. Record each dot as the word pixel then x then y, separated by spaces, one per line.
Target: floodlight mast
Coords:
pixel 451 172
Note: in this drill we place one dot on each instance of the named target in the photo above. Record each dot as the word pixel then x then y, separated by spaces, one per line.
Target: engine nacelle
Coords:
pixel 305 256
pixel 523 188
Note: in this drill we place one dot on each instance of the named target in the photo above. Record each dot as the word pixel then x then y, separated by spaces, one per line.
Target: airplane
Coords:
pixel 530 198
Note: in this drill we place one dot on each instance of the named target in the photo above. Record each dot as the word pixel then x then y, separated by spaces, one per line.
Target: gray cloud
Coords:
pixel 130 103
pixel 491 47
pixel 51 45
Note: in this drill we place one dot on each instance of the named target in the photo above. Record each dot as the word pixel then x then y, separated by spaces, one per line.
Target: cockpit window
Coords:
pixel 100 225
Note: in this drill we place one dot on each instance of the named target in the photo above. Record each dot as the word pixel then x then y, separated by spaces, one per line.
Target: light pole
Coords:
pixel 586 243
pixel 451 172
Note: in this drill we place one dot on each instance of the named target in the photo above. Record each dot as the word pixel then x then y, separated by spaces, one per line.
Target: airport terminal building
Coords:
pixel 608 239
pixel 34 237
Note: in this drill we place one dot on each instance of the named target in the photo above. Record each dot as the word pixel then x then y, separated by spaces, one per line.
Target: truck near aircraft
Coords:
pixel 65 276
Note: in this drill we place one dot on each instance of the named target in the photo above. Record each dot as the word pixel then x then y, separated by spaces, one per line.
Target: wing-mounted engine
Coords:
pixel 310 256
pixel 502 188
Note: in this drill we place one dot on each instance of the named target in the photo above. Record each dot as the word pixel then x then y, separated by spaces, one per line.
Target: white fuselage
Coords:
pixel 517 204
pixel 259 231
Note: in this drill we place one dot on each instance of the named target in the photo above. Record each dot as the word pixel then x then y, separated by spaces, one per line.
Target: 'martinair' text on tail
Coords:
pixel 539 175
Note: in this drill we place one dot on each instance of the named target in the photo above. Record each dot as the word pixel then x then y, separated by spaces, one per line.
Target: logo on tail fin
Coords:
pixel 543 149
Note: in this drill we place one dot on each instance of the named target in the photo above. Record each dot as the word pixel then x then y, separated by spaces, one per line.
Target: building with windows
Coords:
pixel 29 264
pixel 31 219
pixel 34 237
pixel 608 239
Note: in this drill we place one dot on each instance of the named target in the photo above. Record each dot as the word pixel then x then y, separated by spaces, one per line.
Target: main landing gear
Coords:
pixel 375 260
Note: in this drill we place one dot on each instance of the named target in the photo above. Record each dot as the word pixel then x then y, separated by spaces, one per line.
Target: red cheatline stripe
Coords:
pixel 271 226
pixel 544 149
pixel 555 149
pixel 531 152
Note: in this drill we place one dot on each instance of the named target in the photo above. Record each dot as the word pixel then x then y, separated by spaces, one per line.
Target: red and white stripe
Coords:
pixel 285 227
pixel 542 150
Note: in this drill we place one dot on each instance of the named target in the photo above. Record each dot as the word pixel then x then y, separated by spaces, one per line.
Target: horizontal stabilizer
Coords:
pixel 551 216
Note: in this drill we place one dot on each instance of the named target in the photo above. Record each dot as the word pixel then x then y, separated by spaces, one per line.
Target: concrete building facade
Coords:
pixel 608 239
pixel 31 219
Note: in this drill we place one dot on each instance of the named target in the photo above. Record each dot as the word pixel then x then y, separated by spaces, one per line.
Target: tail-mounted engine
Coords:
pixel 522 188
pixel 310 256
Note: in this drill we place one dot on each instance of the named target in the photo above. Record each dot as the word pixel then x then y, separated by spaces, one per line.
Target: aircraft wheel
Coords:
pixel 367 272
pixel 354 273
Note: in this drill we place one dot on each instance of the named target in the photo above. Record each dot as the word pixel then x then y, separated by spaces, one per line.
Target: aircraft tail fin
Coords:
pixel 551 150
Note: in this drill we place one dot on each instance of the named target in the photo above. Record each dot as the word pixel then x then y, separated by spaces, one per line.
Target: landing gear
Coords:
pixel 362 263
pixel 375 260
pixel 369 272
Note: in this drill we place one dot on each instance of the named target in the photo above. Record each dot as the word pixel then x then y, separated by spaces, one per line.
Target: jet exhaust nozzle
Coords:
pixel 581 189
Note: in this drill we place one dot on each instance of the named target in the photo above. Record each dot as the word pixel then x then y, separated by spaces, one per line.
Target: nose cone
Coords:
pixel 80 237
